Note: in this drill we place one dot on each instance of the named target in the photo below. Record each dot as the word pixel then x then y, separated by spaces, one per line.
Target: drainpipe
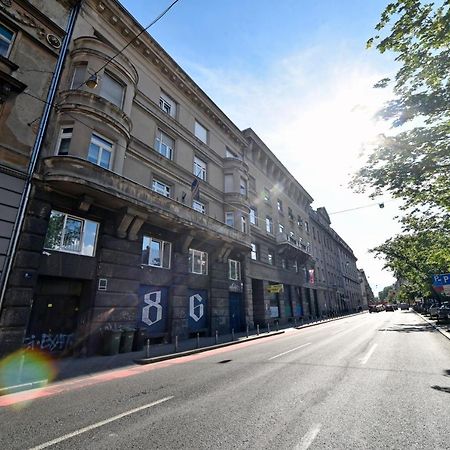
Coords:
pixel 36 150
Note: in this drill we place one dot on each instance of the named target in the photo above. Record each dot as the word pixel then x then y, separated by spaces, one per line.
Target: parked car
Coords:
pixel 404 306
pixel 443 313
pixel 432 310
pixel 390 307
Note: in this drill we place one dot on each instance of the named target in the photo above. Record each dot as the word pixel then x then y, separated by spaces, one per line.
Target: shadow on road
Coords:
pixel 410 328
pixel 441 388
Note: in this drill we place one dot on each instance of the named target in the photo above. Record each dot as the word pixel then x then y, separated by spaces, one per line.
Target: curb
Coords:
pixel 320 322
pixel 443 332
pixel 156 359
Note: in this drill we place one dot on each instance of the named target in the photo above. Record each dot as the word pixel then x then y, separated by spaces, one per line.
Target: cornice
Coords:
pixel 124 24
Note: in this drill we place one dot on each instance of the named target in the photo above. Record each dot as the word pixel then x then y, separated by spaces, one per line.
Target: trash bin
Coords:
pixel 111 342
pixel 126 340
pixel 140 336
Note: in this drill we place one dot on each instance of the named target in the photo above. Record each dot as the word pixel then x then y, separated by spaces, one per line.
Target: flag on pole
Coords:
pixel 195 189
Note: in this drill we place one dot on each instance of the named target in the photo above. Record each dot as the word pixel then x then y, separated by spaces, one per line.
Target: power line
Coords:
pixel 380 205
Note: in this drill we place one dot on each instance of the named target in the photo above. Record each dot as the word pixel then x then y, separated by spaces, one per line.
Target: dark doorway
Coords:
pixel 236 322
pixel 54 315
pixel 308 299
pixel 316 303
pixel 287 301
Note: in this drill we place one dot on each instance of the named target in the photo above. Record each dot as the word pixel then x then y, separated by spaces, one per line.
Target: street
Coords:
pixel 378 381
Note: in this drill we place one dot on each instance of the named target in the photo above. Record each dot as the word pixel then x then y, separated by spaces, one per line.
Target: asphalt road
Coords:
pixel 373 381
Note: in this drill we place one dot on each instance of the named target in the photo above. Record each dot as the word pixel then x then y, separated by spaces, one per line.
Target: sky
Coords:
pixel 299 74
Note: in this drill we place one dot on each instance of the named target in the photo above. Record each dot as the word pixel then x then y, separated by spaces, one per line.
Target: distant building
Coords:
pixel 366 291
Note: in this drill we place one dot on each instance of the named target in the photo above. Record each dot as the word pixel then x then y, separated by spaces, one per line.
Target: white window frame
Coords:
pixel 270 258
pixel 161 188
pixel 229 215
pixel 78 76
pixel 254 252
pixel 199 206
pixel 84 222
pixel 203 261
pixel 234 268
pixel 199 168
pixel 167 104
pixel 253 215
pixel 109 97
pixel 244 224
pixel 163 246
pixel 231 154
pixel 201 132
pixel 280 205
pixel 269 225
pixel 64 133
pixel 105 145
pixel 164 144
pixel 266 195
pixel 8 41
pixel 280 228
pixel 243 187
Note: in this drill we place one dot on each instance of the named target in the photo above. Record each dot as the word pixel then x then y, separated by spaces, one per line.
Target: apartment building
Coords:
pixel 151 209
pixel 33 38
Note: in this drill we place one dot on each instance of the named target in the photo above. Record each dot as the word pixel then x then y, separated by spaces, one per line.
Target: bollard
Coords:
pixel 198 340
pixel 232 334
pixel 176 343
pixel 301 321
pixel 278 326
pixel 147 349
pixel 295 321
pixel 21 363
pixel 257 329
pixel 247 331
pixel 268 327
pixel 217 337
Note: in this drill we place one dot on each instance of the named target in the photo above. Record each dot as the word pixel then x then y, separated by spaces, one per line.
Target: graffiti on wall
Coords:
pixel 49 342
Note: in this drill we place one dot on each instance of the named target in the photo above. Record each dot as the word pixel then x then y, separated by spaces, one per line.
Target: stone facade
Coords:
pixel 151 209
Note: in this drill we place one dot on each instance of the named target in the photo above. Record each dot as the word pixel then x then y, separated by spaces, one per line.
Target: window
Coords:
pixel 283 263
pixel 253 216
pixel 230 154
pixel 79 77
pixel 198 206
pixel 201 132
pixel 167 104
pixel 266 195
pixel 112 90
pixel 71 234
pixel 198 262
pixel 280 206
pixel 6 39
pixel 292 237
pixel 254 252
pixel 269 225
pixel 299 222
pixel 244 224
pixel 229 183
pixel 234 270
pixel 65 136
pixel 199 168
pixel 295 265
pixel 251 183
pixel 229 218
pixel 164 144
pixel 290 215
pixel 306 226
pixel 243 187
pixel 270 258
pixel 100 151
pixel 156 253
pixel 280 228
pixel 161 188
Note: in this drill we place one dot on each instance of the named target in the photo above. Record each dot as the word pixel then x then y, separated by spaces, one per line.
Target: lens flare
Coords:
pixel 25 369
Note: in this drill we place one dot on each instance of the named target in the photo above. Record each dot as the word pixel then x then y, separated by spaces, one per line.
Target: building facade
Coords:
pixel 366 290
pixel 151 209
pixel 33 35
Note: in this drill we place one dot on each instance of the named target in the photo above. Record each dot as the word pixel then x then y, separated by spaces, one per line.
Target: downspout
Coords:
pixel 36 150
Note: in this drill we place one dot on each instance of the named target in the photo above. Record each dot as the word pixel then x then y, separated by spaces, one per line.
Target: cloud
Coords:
pixel 314 109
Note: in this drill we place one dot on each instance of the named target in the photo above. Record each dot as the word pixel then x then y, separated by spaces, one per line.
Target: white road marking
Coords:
pixel 369 354
pixel 289 351
pixel 308 438
pixel 98 424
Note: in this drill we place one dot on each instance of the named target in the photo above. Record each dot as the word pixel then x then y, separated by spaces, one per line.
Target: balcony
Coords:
pixel 80 178
pixel 291 247
pixel 90 104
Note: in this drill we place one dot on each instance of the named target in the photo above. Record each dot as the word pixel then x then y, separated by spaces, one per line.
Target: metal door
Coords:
pixel 236 321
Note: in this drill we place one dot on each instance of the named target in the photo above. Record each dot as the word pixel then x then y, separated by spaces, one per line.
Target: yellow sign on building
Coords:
pixel 275 288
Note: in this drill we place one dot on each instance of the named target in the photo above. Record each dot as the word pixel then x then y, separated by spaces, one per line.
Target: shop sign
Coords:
pixel 275 288
pixel 198 301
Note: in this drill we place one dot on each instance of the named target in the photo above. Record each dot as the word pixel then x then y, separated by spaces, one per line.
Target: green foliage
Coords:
pixel 413 164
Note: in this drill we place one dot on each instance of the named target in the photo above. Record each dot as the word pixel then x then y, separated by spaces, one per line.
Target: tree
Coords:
pixel 413 163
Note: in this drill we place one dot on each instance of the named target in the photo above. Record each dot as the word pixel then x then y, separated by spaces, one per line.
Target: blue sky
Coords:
pixel 298 73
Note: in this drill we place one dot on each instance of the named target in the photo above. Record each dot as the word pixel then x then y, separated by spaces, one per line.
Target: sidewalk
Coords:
pixel 443 329
pixel 73 367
